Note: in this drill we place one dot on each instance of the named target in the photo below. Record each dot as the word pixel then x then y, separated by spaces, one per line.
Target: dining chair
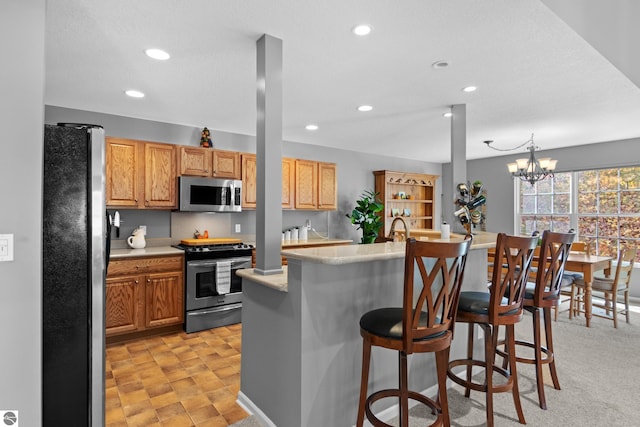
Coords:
pixel 423 324
pixel 568 288
pixel 502 305
pixel 540 297
pixel 609 289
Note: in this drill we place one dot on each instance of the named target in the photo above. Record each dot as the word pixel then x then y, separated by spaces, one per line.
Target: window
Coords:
pixel 602 205
pixel 609 208
pixel 546 205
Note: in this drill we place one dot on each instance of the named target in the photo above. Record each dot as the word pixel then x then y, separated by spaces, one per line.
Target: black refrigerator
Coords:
pixel 75 244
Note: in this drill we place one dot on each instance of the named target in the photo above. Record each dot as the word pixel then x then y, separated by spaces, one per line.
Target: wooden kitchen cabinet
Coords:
pixel 143 294
pixel 195 161
pixel 327 186
pixel 408 195
pixel 198 161
pixel 249 186
pixel 140 174
pixel 122 173
pixel 315 185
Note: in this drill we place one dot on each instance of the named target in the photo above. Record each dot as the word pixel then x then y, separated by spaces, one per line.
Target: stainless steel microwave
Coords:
pixel 210 194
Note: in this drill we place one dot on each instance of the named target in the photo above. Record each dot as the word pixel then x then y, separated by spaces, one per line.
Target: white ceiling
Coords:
pixel 534 73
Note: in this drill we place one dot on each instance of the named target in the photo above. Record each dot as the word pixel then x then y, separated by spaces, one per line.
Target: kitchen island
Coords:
pixel 301 344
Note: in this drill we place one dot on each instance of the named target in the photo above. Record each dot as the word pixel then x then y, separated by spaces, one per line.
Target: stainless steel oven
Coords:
pixel 213 290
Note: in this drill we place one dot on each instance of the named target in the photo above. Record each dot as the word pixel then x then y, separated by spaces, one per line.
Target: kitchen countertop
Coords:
pixel 338 255
pixel 349 254
pixel 314 242
pixel 148 251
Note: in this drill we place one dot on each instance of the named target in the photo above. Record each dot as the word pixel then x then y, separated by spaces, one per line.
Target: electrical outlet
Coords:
pixel 6 247
pixel 238 228
pixel 144 229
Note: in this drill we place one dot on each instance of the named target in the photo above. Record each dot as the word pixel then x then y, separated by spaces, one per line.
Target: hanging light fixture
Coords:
pixel 530 169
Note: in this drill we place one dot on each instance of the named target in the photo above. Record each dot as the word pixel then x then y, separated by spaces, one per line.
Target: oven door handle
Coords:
pixel 212 263
pixel 216 310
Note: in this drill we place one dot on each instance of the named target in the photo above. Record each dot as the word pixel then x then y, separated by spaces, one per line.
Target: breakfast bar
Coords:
pixel 301 344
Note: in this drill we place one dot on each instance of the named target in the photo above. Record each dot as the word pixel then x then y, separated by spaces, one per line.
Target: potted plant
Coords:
pixel 365 216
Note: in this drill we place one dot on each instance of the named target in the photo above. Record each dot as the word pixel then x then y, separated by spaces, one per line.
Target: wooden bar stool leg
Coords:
pixel 404 389
pixel 366 359
pixel 442 364
pixel 549 337
pixel 537 347
pixel 490 342
pixel 513 372
pixel 467 390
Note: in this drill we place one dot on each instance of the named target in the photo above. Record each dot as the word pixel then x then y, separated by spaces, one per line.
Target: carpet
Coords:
pixel 598 369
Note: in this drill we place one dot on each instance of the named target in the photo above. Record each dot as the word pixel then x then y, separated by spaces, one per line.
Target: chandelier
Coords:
pixel 530 169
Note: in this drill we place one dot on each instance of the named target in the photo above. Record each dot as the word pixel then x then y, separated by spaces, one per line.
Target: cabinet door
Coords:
pixel 306 189
pixel 249 190
pixel 122 177
pixel 160 176
pixel 195 161
pixel 288 182
pixel 327 186
pixel 123 304
pixel 226 164
pixel 164 299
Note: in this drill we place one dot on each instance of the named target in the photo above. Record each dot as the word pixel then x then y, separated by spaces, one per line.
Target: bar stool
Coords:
pixel 542 296
pixel 502 305
pixel 423 324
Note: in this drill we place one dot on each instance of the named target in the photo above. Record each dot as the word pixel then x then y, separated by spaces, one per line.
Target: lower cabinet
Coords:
pixel 144 293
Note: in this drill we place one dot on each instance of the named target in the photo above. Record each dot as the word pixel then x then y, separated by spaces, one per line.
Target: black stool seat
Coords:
pixel 387 322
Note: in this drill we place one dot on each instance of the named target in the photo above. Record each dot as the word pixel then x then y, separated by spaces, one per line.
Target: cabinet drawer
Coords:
pixel 145 265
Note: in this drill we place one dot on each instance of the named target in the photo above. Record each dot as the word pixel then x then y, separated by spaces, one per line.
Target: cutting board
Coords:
pixel 213 241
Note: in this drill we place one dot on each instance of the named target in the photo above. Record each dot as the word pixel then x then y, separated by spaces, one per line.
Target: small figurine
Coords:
pixel 205 139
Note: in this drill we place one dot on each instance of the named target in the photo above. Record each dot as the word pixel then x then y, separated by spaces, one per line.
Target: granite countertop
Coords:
pixel 314 242
pixel 148 251
pixel 338 255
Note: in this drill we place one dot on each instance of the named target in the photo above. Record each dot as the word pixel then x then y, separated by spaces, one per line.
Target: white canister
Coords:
pixel 445 231
pixel 287 235
pixel 294 234
pixel 304 233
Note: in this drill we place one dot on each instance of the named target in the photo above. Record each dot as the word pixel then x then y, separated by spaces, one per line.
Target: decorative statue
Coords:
pixel 205 139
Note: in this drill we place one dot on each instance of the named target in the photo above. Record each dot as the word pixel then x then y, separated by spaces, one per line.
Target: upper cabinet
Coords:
pixel 407 195
pixel 197 161
pixel 140 174
pixel 315 185
pixel 249 187
pixel 327 186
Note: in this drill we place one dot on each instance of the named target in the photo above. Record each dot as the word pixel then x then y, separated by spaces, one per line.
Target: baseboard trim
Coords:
pixel 248 405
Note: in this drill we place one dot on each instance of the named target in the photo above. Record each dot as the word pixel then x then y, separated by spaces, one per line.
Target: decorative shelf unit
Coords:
pixel 417 206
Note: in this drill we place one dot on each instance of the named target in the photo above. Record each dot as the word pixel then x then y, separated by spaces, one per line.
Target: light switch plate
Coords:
pixel 6 247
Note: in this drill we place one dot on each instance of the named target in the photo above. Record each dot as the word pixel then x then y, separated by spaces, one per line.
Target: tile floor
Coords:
pixel 175 380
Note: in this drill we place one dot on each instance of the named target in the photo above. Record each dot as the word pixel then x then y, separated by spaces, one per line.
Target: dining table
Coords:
pixel 588 265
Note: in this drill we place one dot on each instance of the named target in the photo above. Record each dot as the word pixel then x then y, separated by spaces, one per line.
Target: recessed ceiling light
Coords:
pixel 361 30
pixel 134 93
pixel 311 127
pixel 440 64
pixel 365 108
pixel 158 54
pixel 469 89
pixel 447 114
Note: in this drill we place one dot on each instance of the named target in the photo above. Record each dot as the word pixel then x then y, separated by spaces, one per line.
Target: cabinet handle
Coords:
pixel 136 282
pixel 148 280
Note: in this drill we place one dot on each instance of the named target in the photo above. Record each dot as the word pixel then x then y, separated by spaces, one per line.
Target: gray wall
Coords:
pixel 21 110
pixel 354 175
